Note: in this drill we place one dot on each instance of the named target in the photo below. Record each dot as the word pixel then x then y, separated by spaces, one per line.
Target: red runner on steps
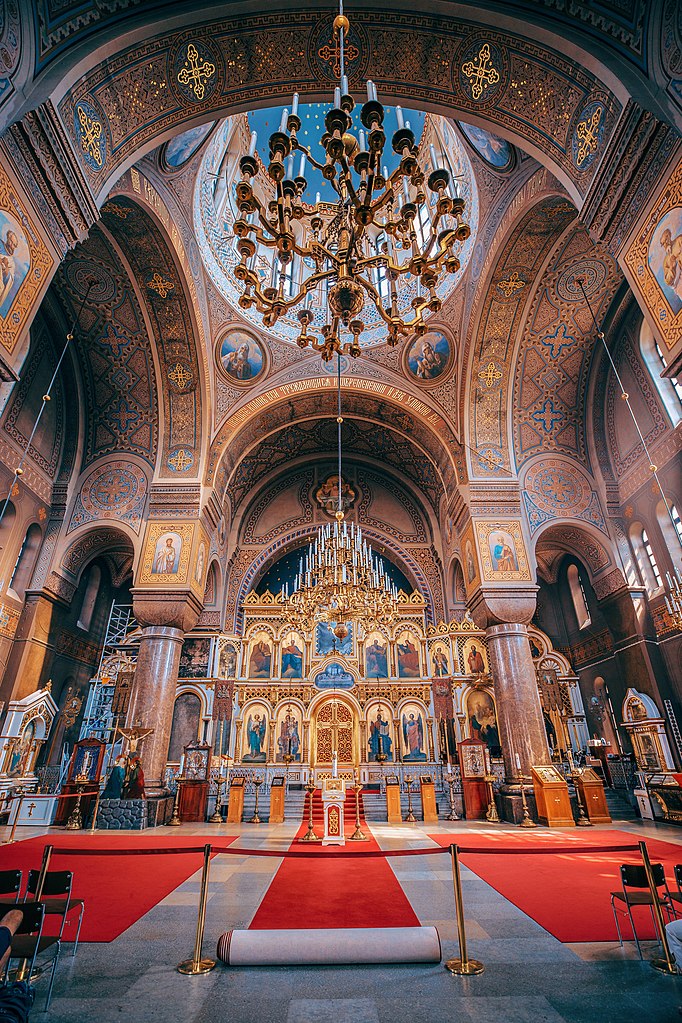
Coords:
pixel 338 887
pixel 566 893
pixel 117 889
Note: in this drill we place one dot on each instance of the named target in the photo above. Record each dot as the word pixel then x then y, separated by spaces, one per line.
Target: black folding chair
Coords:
pixel 10 883
pixel 28 941
pixel 57 897
pixel 636 892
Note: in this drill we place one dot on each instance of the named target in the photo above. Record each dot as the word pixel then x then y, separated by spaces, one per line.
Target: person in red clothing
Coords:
pixel 133 786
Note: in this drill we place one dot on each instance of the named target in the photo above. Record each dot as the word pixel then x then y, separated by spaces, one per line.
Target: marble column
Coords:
pixel 153 699
pixel 519 714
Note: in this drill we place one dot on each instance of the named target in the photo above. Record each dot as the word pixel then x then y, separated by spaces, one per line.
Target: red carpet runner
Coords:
pixel 335 888
pixel 566 893
pixel 117 889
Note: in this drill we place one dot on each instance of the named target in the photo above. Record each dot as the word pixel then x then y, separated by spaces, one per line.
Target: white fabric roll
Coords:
pixel 338 946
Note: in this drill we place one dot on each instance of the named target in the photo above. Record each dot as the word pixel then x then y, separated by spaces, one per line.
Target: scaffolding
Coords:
pixel 119 652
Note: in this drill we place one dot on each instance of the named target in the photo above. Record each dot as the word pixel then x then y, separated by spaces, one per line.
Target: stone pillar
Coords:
pixel 153 699
pixel 519 714
pixel 33 649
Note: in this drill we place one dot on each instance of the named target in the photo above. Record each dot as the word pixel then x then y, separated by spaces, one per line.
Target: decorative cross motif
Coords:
pixel 160 285
pixel 194 74
pixel 42 514
pixel 490 375
pixel 179 375
pixel 481 74
pixel 587 133
pixel 31 808
pixel 118 211
pixel 4 617
pixel 123 415
pixel 490 459
pixel 512 284
pixel 332 54
pixel 557 341
pixel 181 460
pixel 91 135
pixel 548 416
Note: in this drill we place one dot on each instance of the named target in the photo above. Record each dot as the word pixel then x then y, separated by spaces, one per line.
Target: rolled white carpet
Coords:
pixel 330 947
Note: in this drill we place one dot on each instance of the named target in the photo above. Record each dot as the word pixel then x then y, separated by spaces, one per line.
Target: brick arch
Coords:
pixel 92 543
pixel 583 541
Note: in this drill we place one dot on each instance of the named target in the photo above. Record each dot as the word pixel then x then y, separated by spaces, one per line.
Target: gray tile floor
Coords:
pixel 529 975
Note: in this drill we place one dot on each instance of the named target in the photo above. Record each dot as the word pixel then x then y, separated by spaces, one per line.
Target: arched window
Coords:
pixel 646 560
pixel 25 563
pixel 670 389
pixel 677 522
pixel 6 527
pixel 90 597
pixel 671 528
pixel 652 560
pixel 582 611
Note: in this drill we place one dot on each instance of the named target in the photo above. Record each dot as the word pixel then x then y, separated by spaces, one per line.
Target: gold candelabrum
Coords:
pixel 176 820
pixel 673 599
pixel 217 817
pixel 358 835
pixel 341 580
pixel 452 816
pixel 491 814
pixel 410 818
pixel 526 820
pixel 417 210
pixel 310 835
pixel 75 821
pixel 256 819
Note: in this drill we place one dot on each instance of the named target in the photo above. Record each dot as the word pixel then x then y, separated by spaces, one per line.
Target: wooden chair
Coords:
pixel 636 892
pixel 28 941
pixel 10 883
pixel 57 897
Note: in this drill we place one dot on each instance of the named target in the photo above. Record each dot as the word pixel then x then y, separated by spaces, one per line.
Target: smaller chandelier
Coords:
pixel 341 580
pixel 417 210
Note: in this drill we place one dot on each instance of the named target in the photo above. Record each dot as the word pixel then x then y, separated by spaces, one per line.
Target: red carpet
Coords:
pixel 337 887
pixel 566 893
pixel 117 889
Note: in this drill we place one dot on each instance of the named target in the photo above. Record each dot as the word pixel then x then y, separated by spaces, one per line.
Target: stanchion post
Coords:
pixel 16 820
pixel 667 964
pixel 196 964
pixel 22 968
pixel 463 966
pixel 95 811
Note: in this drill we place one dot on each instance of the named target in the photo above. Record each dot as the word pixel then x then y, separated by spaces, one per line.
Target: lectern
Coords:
pixel 277 800
pixel 428 794
pixel 473 770
pixel 235 802
pixel 591 790
pixel 333 800
pixel 551 798
pixel 393 811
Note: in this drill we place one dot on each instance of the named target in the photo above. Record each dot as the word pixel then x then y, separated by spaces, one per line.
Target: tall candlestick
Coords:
pixel 285 118
pixel 399 115
pixel 252 146
pixel 294 105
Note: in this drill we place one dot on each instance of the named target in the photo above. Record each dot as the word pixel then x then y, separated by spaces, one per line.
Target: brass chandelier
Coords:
pixel 337 242
pixel 340 579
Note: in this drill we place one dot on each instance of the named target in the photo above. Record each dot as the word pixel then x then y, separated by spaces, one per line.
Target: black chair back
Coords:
pixel 33 915
pixel 10 882
pixel 635 876
pixel 678 875
pixel 57 882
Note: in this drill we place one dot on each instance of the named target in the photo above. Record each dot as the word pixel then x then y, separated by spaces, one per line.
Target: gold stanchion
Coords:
pixel 175 820
pixel 310 835
pixel 358 835
pixel 196 964
pixel 95 812
pixel 667 964
pixel 22 968
pixel 20 797
pixel 217 817
pixel 491 814
pixel 256 819
pixel 526 821
pixel 462 966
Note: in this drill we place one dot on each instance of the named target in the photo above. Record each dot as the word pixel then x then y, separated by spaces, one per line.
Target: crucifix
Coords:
pixel 31 808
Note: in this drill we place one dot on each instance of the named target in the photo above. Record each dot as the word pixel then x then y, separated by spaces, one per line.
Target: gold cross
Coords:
pixel 490 375
pixel 331 53
pixel 588 139
pixel 118 211
pixel 482 74
pixel 179 375
pixel 91 134
pixel 161 286
pixel 512 284
pixel 194 74
pixel 181 460
pixel 31 808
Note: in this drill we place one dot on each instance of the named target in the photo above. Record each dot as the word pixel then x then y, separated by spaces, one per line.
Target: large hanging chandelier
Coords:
pixel 417 210
pixel 340 579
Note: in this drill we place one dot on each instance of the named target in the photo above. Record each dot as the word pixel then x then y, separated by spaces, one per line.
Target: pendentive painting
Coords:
pixel 665 257
pixel 240 357
pixel 260 656
pixel 429 356
pixel 15 260
pixel 413 729
pixel 167 554
pixel 376 656
pixel 255 743
pixel 491 148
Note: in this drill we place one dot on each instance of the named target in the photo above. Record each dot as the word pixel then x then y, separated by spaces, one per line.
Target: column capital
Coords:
pixel 174 609
pixel 500 606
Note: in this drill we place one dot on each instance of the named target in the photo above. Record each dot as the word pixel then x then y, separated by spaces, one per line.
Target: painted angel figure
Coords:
pixel 413 734
pixel 255 730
